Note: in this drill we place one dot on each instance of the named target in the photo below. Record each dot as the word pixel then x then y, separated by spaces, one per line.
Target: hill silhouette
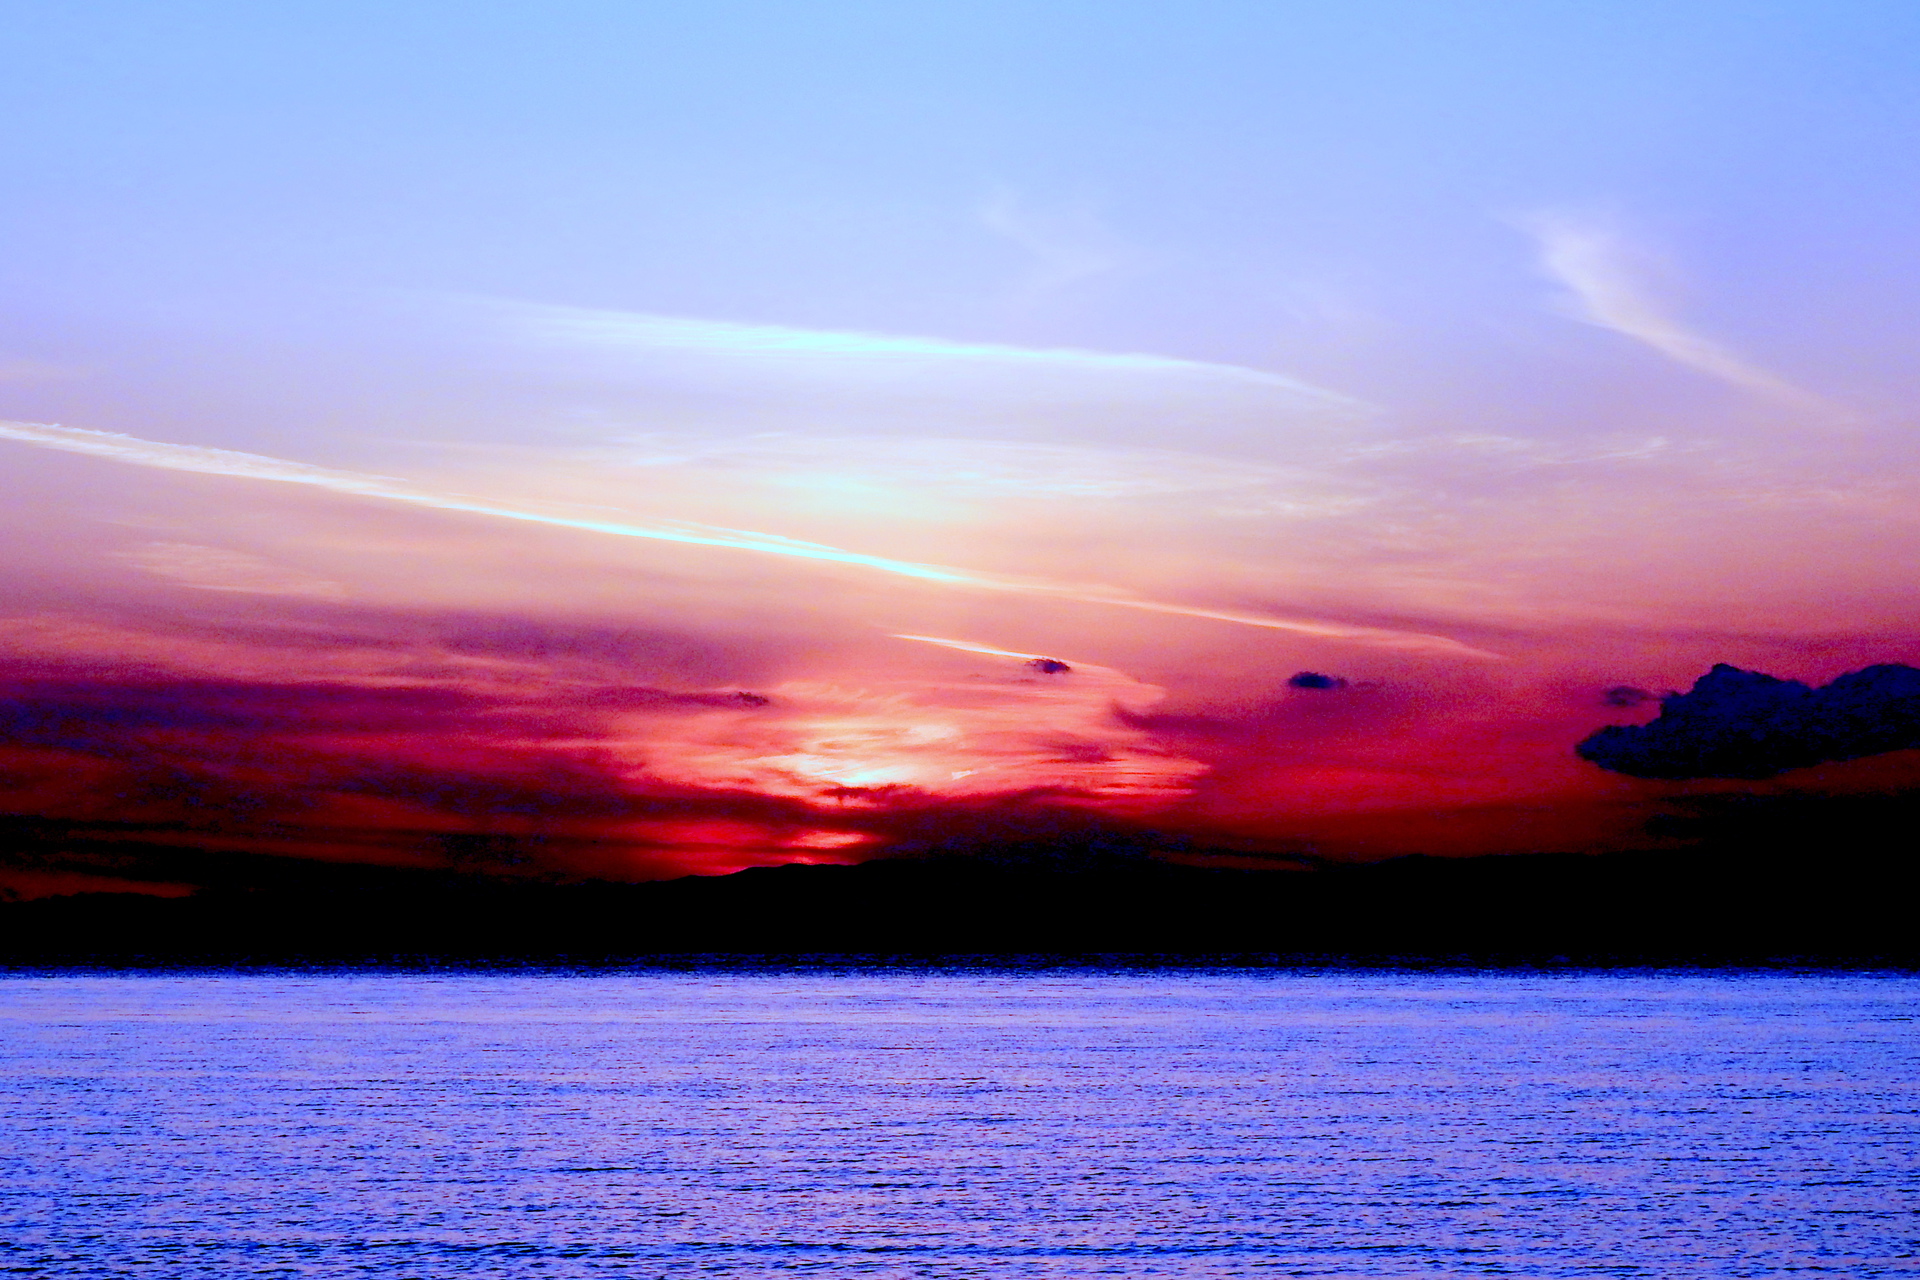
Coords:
pixel 1765 879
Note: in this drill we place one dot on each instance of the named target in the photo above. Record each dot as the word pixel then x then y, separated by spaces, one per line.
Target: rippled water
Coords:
pixel 958 1124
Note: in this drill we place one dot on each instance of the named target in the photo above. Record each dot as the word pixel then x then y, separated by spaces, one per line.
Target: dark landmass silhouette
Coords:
pixel 1765 879
pixel 1743 724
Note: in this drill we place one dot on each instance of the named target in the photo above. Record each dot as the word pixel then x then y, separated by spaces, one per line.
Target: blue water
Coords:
pixel 959 1124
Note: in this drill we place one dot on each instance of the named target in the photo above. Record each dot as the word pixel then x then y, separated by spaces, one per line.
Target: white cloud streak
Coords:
pixel 823 350
pixel 227 462
pixel 973 646
pixel 677 334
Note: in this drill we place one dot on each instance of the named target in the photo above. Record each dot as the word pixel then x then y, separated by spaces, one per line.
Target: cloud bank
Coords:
pixel 1744 724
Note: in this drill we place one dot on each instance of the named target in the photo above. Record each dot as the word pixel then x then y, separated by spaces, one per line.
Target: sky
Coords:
pixel 633 440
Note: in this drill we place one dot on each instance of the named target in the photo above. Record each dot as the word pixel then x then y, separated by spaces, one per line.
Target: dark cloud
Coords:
pixel 1744 724
pixel 1625 695
pixel 643 698
pixel 343 769
pixel 1314 680
pixel 610 651
pixel 82 713
pixel 585 647
pixel 73 711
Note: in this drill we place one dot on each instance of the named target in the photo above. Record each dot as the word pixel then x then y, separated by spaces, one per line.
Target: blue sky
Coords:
pixel 1221 181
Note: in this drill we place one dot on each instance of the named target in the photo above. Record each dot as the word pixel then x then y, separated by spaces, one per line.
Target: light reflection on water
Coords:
pixel 959 1123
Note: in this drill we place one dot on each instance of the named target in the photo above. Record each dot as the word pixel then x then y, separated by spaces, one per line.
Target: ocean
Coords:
pixel 956 1122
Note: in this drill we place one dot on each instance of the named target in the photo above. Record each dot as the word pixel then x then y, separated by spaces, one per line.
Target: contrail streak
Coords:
pixel 253 466
pixel 639 331
pixel 967 646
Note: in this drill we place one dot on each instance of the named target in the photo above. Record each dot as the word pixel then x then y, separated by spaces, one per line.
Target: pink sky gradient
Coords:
pixel 679 482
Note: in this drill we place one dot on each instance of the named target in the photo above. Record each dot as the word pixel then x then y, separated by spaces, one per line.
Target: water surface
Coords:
pixel 959 1124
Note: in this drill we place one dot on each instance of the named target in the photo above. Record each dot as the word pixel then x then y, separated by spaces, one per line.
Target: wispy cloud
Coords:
pixel 220 569
pixel 978 468
pixel 30 370
pixel 1613 286
pixel 172 457
pixel 1068 244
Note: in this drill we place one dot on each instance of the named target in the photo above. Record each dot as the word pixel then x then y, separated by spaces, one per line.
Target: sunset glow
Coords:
pixel 790 443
